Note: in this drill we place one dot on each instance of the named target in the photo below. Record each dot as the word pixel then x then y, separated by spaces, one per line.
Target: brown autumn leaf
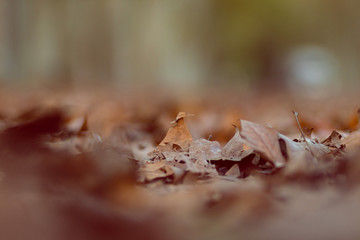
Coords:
pixel 196 159
pixel 264 140
pixel 196 155
pixel 234 150
pixel 303 161
pixel 201 152
pixel 156 170
pixel 334 140
pixel 178 138
pixel 178 146
pixel 179 133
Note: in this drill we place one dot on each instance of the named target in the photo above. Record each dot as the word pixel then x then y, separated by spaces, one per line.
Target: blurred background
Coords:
pixel 278 43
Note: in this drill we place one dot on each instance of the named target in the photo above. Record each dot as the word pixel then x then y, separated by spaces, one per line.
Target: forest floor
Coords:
pixel 150 164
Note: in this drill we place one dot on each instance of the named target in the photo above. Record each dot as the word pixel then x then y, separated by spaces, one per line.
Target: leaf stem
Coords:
pixel 296 114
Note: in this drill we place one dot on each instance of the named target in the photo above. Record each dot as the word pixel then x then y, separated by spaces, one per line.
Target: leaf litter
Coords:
pixel 67 165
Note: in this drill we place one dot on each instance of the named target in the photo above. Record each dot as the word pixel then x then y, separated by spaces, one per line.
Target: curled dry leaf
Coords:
pixel 178 138
pixel 206 157
pixel 264 140
pixel 318 149
pixel 300 159
pixel 334 140
pixel 294 149
pixel 182 115
pixel 179 133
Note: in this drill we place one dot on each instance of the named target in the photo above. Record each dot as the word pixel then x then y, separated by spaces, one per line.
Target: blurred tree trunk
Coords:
pixel 9 39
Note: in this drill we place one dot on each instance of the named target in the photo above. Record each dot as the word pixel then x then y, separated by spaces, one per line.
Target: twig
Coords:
pixel 296 114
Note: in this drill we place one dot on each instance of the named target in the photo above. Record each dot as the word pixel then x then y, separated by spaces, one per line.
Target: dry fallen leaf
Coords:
pixel 334 140
pixel 178 147
pixel 178 138
pixel 179 133
pixel 234 150
pixel 155 170
pixel 264 140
